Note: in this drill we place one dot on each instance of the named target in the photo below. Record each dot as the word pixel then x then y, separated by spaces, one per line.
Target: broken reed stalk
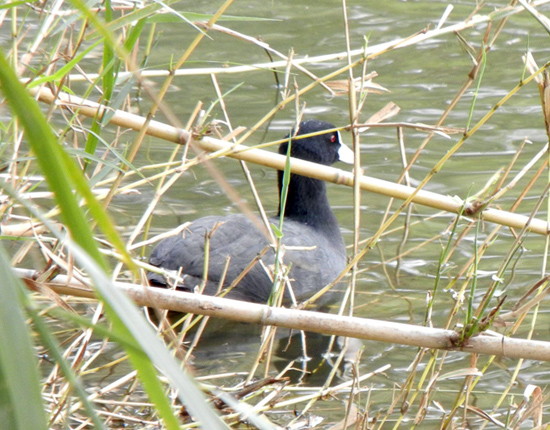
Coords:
pixel 276 161
pixel 318 322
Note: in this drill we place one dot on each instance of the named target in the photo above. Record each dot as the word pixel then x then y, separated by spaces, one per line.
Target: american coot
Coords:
pixel 308 223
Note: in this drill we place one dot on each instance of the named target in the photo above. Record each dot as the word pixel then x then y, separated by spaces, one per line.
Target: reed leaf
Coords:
pixel 21 405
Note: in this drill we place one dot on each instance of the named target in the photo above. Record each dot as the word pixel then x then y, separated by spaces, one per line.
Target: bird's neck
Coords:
pixel 307 202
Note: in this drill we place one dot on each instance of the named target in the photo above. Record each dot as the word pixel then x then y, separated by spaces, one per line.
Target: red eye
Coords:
pixel 333 138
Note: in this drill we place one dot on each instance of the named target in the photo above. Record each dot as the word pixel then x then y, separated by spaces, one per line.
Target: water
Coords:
pixel 423 79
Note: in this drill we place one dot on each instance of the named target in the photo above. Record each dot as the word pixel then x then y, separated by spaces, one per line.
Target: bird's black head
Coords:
pixel 323 148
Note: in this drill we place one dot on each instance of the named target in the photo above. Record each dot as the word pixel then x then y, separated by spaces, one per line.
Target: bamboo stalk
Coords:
pixel 276 161
pixel 318 322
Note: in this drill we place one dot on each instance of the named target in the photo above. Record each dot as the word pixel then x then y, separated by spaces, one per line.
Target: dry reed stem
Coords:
pixel 276 161
pixel 317 322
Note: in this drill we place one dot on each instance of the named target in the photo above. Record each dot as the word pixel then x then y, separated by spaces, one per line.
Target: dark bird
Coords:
pixel 309 224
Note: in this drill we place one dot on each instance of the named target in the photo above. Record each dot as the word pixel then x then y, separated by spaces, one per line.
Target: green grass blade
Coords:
pixel 129 323
pixel 21 404
pixel 51 158
pixel 14 4
pixel 149 12
pixel 56 354
pixel 63 71
pixel 116 304
pixel 285 185
pixel 61 173
pixel 147 351
pixel 478 86
pixel 108 84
